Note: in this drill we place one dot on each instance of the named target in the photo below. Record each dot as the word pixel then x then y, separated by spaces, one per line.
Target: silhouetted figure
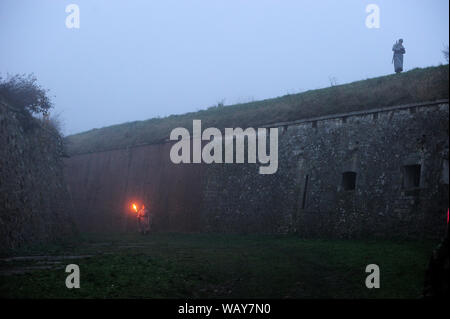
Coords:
pixel 397 59
pixel 437 274
pixel 144 220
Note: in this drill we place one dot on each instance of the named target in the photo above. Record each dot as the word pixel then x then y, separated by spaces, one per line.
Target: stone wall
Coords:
pixel 311 195
pixel 381 149
pixel 105 184
pixel 34 202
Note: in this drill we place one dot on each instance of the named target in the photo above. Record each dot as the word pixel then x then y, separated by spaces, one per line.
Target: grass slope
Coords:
pixel 224 266
pixel 417 85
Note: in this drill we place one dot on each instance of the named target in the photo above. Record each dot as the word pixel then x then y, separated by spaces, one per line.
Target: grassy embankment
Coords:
pixel 417 85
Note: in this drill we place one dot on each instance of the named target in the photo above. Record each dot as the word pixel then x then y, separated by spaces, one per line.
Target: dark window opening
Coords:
pixel 411 176
pixel 348 181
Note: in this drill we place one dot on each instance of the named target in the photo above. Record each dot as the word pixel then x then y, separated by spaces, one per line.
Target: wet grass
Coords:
pixel 222 266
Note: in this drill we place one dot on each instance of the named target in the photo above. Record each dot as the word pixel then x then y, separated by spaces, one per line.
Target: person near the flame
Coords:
pixel 144 220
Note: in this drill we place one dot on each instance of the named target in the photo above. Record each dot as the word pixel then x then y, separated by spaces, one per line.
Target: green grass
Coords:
pixel 417 85
pixel 224 266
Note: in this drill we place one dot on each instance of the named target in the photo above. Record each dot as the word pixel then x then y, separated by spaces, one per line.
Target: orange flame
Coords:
pixel 135 207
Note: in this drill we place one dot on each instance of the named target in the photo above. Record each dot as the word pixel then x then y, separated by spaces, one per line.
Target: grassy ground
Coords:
pixel 220 266
pixel 417 85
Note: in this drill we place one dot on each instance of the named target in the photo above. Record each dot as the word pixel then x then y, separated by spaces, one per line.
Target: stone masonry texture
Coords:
pixel 381 173
pixel 34 202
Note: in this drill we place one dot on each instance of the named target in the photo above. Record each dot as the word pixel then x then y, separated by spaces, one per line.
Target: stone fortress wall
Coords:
pixel 34 202
pixel 376 173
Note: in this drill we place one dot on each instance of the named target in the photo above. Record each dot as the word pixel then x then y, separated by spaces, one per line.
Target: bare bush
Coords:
pixel 221 103
pixel 445 53
pixel 333 80
pixel 22 92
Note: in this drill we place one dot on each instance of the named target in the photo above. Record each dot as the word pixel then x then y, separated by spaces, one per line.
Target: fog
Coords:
pixel 134 60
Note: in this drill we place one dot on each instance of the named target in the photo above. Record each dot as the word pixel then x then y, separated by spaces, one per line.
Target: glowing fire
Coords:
pixel 135 207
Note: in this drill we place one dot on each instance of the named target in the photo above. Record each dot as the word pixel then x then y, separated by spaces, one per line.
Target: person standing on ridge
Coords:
pixel 397 59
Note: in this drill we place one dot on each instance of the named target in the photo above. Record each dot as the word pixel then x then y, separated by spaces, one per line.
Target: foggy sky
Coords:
pixel 134 60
